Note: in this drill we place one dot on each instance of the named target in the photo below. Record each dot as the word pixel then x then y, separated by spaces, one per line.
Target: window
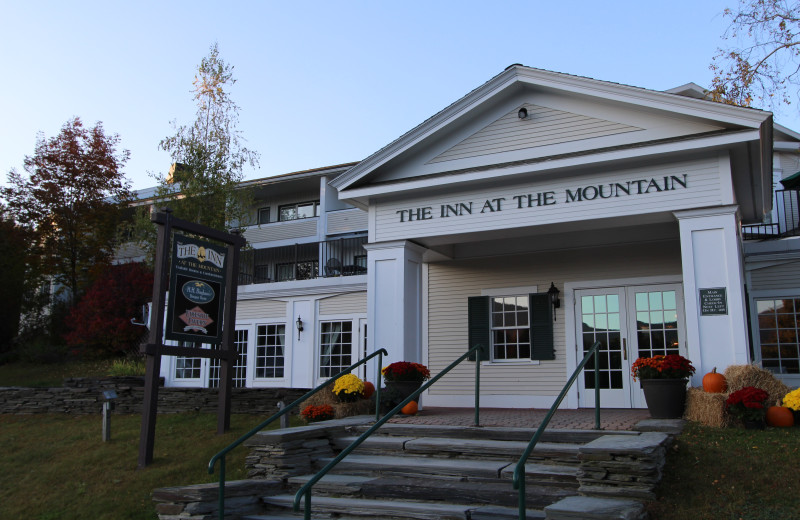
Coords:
pixel 512 327
pixel 511 338
pixel 778 324
pixel 263 215
pixel 298 211
pixel 299 271
pixel 188 367
pixel 270 340
pixel 335 347
pixel 239 368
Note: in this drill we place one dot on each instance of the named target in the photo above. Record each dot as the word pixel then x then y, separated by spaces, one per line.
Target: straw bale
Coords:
pixel 706 408
pixel 740 376
pixel 340 410
pixel 324 396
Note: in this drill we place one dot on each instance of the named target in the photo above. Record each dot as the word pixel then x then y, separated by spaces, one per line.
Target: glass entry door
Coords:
pixel 630 322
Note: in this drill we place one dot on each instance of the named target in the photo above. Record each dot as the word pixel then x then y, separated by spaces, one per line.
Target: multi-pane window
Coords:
pixel 511 335
pixel 263 215
pixel 336 347
pixel 239 368
pixel 778 324
pixel 270 342
pixel 656 323
pixel 600 319
pixel 188 367
pixel 298 211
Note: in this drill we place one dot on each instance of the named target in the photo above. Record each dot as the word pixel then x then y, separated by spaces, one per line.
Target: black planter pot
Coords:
pixel 399 390
pixel 757 424
pixel 666 398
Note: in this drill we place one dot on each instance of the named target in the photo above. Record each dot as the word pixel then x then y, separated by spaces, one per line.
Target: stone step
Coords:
pixel 397 509
pixel 432 489
pixel 487 432
pixel 454 447
pixel 356 464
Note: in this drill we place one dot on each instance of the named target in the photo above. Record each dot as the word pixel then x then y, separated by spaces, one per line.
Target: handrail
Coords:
pixel 306 489
pixel 519 471
pixel 221 455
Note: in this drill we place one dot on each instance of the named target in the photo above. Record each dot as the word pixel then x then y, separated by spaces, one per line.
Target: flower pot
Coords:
pixel 401 389
pixel 666 398
pixel 796 414
pixel 754 424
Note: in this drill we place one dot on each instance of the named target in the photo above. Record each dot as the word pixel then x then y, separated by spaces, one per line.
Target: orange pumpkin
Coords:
pixel 714 383
pixel 369 389
pixel 780 416
pixel 410 409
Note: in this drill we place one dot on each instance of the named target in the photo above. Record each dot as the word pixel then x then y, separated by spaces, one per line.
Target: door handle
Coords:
pixel 625 349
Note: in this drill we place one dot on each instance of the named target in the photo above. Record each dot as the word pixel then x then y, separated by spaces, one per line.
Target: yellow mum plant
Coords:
pixel 792 400
pixel 348 388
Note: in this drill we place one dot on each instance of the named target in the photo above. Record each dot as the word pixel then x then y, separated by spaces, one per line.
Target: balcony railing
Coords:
pixel 338 257
pixel 786 214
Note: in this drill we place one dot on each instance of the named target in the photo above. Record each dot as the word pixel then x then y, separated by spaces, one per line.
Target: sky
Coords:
pixel 319 83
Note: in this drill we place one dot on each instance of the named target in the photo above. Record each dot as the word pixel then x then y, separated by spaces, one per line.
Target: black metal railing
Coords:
pixel 786 216
pixel 305 491
pixel 220 457
pixel 337 257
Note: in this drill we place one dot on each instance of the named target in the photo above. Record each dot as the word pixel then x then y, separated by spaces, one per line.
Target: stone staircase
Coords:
pixel 428 472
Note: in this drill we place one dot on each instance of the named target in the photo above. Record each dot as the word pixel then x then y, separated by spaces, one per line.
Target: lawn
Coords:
pixel 731 474
pixel 57 467
pixel 52 374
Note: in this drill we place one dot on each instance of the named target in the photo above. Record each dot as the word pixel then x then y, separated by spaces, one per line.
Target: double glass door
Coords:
pixel 630 322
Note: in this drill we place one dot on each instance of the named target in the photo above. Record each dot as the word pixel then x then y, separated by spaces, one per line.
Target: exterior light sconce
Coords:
pixel 299 327
pixel 523 114
pixel 553 292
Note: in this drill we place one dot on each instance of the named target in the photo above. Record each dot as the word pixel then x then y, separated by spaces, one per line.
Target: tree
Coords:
pixel 764 67
pixel 70 202
pixel 100 324
pixel 209 157
pixel 13 260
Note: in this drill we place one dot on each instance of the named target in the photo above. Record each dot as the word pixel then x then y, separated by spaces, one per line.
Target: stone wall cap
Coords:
pixel 625 444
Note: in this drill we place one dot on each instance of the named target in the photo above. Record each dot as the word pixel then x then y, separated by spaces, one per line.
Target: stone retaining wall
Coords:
pixel 81 396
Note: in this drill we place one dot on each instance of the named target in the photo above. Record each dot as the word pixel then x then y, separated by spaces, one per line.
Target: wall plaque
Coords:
pixel 713 302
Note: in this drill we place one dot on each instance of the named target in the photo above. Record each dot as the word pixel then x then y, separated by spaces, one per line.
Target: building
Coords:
pixel 535 215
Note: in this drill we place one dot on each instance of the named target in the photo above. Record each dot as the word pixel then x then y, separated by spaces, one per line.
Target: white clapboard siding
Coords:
pixel 790 164
pixel 702 190
pixel 302 228
pixel 450 284
pixel 129 251
pixel 546 126
pixel 347 221
pixel 775 277
pixel 351 303
pixel 260 309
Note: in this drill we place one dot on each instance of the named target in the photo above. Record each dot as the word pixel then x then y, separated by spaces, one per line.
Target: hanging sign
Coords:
pixel 196 291
pixel 713 302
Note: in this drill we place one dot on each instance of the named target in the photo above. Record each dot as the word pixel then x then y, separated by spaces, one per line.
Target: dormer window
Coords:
pixel 263 216
pixel 298 211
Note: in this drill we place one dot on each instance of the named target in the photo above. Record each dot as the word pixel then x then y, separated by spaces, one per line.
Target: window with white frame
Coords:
pixel 335 347
pixel 239 367
pixel 298 211
pixel 270 343
pixel 510 325
pixel 779 334
pixel 188 367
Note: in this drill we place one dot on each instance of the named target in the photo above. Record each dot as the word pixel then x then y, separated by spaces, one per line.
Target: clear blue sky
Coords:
pixel 319 82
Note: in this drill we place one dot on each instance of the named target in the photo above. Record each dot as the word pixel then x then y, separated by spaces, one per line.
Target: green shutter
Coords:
pixel 479 327
pixel 541 327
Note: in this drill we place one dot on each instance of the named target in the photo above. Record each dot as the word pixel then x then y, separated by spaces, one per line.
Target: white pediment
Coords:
pixel 542 126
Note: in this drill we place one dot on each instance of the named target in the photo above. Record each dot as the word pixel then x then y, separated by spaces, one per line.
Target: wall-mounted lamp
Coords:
pixel 553 292
pixel 523 113
pixel 299 327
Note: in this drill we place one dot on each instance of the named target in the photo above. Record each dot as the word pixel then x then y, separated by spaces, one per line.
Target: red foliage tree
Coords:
pixel 101 322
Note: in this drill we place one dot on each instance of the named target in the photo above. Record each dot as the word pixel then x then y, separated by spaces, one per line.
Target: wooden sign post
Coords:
pixel 201 309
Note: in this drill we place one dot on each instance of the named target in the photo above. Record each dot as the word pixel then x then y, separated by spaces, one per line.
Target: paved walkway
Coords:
pixel 583 419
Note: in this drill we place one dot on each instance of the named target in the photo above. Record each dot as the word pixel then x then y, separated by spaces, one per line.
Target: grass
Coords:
pixel 730 474
pixel 50 375
pixel 57 467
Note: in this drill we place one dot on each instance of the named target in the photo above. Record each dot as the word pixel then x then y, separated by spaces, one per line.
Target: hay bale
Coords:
pixel 740 376
pixel 340 410
pixel 705 408
pixel 324 396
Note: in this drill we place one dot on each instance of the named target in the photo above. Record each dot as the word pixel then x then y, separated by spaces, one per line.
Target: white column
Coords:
pixel 394 300
pixel 711 258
